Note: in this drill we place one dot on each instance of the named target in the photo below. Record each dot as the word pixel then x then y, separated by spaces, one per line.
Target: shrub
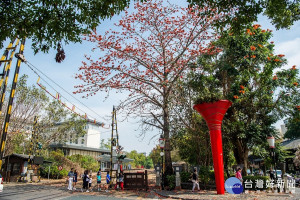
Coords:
pixel 171 181
pixel 206 175
pixel 54 172
pixel 86 162
pixel 185 176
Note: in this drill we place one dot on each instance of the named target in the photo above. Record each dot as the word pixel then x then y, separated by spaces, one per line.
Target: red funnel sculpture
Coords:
pixel 213 114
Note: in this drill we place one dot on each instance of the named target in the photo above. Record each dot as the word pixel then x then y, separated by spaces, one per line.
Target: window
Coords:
pixel 16 168
pixel 76 141
pixel 82 141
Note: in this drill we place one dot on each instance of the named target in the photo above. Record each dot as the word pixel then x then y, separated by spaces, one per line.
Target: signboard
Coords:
pixel 60 167
pixel 38 160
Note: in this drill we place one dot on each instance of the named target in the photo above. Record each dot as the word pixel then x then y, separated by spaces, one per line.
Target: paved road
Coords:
pixel 58 192
pixel 33 192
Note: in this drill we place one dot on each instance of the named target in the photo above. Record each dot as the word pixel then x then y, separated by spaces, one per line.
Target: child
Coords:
pixel 107 181
pixel 75 179
pixel 99 180
pixel 90 182
pixel 121 180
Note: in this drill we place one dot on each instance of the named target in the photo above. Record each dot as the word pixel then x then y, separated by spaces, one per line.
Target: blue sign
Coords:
pixel 234 186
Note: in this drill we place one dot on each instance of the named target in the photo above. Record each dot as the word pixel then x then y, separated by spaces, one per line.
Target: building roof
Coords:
pixel 291 144
pixel 25 157
pixel 106 158
pixel 68 146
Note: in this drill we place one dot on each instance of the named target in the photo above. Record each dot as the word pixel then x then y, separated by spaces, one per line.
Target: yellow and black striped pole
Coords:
pixel 5 54
pixel 10 102
pixel 6 73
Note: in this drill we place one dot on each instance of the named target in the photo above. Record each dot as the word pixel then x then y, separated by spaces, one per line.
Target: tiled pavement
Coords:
pixel 206 194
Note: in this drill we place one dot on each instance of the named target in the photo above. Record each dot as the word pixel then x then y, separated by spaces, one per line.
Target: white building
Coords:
pixel 91 139
pixel 88 144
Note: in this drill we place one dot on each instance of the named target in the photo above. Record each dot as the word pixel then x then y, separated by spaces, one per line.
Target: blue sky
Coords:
pixel 286 42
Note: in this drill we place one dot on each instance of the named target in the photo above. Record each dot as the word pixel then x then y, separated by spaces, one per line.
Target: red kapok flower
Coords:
pixel 252 48
pixel 275 77
pixel 268 58
pixel 295 83
pixel 242 87
pixel 253 56
pixel 281 55
pixel 263 31
pixel 256 26
pixel 276 60
pixel 235 96
pixel 294 67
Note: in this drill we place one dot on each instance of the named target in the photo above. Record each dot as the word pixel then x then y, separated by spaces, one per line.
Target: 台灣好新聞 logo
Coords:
pixel 234 186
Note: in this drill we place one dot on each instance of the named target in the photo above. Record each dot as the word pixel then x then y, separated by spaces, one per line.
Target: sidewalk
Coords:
pixel 207 194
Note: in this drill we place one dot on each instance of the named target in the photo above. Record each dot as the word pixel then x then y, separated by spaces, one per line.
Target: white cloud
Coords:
pixel 291 49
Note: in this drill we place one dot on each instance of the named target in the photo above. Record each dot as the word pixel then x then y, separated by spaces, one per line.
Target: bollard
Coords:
pixel 178 181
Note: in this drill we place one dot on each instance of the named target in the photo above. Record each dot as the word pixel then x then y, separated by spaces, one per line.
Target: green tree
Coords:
pixel 29 101
pixel 105 145
pixel 282 13
pixel 248 73
pixel 292 124
pixel 57 124
pixel 140 159
pixel 155 155
pixel 48 23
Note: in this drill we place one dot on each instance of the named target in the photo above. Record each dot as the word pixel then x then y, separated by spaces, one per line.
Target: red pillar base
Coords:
pixel 213 114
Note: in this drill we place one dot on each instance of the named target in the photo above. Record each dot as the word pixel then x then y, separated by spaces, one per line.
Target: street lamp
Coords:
pixel 271 141
pixel 162 146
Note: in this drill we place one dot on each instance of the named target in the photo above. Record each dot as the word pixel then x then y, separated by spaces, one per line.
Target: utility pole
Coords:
pixel 114 140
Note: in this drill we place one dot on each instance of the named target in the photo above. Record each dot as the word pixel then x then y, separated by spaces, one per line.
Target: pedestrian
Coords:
pixel 99 180
pixel 238 175
pixel 195 180
pixel 85 181
pixel 272 174
pixel 121 180
pixel 75 179
pixel 70 178
pixel 107 181
pixel 90 182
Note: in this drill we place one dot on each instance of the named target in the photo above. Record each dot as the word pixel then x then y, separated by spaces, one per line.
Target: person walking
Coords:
pixel 85 181
pixel 238 175
pixel 90 182
pixel 121 180
pixel 195 180
pixel 75 179
pixel 99 180
pixel 70 178
pixel 107 181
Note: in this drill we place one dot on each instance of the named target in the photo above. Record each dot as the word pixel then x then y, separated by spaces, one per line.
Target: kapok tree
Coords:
pixel 145 54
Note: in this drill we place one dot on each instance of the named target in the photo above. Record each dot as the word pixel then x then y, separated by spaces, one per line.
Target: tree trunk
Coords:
pixel 241 154
pixel 168 160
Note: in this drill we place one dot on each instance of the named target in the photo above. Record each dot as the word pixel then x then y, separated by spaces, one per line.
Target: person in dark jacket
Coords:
pixel 85 181
pixel 195 180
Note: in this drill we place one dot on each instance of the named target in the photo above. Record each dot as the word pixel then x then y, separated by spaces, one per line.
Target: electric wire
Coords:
pixel 35 69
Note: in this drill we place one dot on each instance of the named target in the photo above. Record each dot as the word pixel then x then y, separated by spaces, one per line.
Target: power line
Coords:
pixel 35 69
